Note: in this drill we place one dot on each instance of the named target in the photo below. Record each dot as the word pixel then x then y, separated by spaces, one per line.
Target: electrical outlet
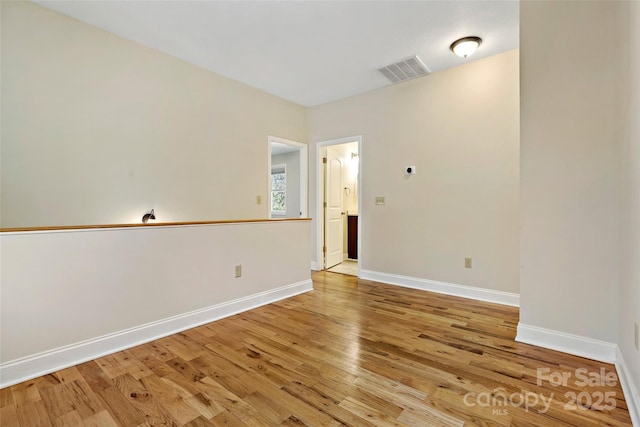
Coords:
pixel 238 271
pixel 467 263
pixel 379 200
pixel 636 335
pixel 259 200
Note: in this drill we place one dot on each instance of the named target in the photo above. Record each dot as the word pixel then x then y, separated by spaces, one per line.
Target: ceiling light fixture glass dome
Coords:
pixel 465 46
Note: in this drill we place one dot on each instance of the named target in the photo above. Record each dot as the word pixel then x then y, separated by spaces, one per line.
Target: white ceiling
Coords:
pixel 279 148
pixel 309 52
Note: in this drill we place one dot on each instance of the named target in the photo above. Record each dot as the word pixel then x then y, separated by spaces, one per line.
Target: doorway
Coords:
pixel 287 171
pixel 339 178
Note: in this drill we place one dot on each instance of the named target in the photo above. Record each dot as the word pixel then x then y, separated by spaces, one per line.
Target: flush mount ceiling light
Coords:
pixel 465 46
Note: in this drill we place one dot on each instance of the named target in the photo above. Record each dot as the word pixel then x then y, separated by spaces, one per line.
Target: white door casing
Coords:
pixel 334 214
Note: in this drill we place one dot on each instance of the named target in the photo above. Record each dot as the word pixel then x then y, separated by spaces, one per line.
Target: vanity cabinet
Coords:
pixel 352 236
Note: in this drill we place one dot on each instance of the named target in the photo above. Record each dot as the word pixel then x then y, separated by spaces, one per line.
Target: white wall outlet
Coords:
pixel 468 263
pixel 379 200
pixel 238 271
pixel 410 170
pixel 258 200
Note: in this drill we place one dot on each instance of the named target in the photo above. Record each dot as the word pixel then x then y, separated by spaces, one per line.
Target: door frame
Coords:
pixel 320 197
pixel 304 175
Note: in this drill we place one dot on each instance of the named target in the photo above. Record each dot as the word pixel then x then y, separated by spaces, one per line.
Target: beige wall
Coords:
pixel 98 129
pixel 460 128
pixel 629 309
pixel 573 121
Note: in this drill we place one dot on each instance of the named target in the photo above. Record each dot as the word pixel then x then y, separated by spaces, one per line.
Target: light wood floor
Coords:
pixel 351 352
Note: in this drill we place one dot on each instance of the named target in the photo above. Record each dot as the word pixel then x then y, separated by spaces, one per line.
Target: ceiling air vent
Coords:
pixel 406 69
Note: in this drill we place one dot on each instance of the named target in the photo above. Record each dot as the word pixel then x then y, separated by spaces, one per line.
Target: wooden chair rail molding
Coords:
pixel 155 224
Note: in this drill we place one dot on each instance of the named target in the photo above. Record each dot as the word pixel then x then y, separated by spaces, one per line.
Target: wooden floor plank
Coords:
pixel 351 352
pixel 120 407
pixel 101 419
pixel 9 416
pixel 33 414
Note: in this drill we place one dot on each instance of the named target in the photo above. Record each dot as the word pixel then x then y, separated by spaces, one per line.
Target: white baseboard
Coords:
pixel 592 349
pixel 567 343
pixel 29 367
pixel 629 387
pixel 314 266
pixel 489 295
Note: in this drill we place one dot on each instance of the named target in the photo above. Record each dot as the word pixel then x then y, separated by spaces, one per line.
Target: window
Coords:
pixel 279 190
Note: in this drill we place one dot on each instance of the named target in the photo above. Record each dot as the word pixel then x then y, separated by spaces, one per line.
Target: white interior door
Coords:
pixel 334 213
